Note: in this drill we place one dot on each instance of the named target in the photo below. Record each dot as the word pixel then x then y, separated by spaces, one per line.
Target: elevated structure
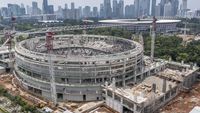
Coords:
pixel 141 25
pixel 82 63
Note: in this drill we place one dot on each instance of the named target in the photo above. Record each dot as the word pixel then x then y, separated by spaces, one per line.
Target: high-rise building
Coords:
pixel 137 7
pixel 162 5
pixel 107 9
pixel 4 11
pixel 153 8
pixel 130 11
pixel 175 5
pixel 14 10
pixel 60 13
pixel 66 6
pixel 157 10
pixel 34 8
pixel 115 8
pixel 168 9
pixel 87 11
pixel 184 4
pixel 95 12
pixel 45 7
pixel 28 10
pixel 50 9
pixel 121 8
pixel 72 11
pixel 72 6
pixel 102 11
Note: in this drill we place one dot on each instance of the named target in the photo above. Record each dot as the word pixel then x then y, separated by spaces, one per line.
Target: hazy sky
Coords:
pixel 192 4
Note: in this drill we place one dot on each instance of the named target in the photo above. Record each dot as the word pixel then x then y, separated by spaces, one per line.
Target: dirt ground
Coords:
pixel 184 102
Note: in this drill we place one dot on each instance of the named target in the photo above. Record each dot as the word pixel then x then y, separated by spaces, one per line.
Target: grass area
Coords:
pixel 3 110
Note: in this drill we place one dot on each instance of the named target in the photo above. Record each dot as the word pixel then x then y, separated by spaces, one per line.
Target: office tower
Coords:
pixel 157 10
pixel 66 6
pixel 34 8
pixel 121 8
pixel 77 14
pixel 60 13
pixel 81 11
pixel 153 8
pixel 28 10
pixel 175 5
pixel 14 10
pixel 102 11
pixel 72 6
pixel 107 9
pixel 22 10
pixel 168 9
pixel 184 4
pixel 50 9
pixel 115 8
pixel 72 11
pixel 87 11
pixel 137 6
pixel 145 7
pixel 95 12
pixel 45 7
pixel 162 5
pixel 4 11
pixel 127 11
pixel 142 7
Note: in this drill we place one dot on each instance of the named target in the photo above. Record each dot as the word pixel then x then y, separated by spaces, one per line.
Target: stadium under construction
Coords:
pixel 113 70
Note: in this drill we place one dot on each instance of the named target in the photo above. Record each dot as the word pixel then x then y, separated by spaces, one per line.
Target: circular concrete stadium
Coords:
pixel 82 63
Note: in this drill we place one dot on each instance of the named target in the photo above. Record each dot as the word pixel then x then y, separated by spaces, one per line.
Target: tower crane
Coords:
pixel 49 46
pixel 153 38
pixel 8 35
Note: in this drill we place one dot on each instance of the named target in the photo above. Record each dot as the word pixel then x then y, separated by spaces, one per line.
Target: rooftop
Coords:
pixel 135 21
pixel 150 88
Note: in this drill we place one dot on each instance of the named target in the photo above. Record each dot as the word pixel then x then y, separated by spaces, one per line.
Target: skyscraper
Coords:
pixel 184 4
pixel 50 9
pixel 45 7
pixel 168 9
pixel 102 11
pixel 153 8
pixel 137 7
pixel 107 9
pixel 162 5
pixel 34 8
pixel 121 8
pixel 175 5
pixel 95 12
pixel 115 8
pixel 158 8
pixel 87 11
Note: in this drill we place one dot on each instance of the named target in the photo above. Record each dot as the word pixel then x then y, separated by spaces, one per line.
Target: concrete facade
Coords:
pixel 78 74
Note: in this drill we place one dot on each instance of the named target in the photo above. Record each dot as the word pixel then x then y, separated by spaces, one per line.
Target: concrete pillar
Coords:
pixel 123 77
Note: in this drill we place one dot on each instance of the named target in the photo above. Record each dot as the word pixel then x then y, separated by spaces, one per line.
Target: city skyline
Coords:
pixel 192 4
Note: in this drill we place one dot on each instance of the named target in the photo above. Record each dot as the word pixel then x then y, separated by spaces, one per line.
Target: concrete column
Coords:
pixel 95 74
pixel 135 74
pixel 124 72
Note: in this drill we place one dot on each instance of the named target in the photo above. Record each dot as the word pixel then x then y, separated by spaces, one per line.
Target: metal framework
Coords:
pixel 49 46
pixel 153 38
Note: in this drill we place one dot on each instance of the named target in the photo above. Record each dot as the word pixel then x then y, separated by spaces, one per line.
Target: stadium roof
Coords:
pixel 135 21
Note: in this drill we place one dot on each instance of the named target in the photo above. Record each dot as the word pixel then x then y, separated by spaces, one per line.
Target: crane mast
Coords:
pixel 153 38
pixel 49 46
